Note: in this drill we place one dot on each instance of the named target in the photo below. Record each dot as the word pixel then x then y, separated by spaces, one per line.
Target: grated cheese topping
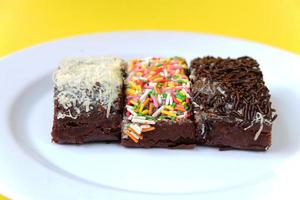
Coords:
pixel 83 83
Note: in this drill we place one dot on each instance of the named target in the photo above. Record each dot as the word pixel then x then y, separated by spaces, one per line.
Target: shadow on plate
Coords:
pixel 285 138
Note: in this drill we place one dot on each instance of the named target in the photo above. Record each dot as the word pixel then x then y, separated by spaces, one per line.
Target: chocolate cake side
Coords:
pixel 158 110
pixel 232 107
pixel 167 134
pixel 91 127
pixel 88 100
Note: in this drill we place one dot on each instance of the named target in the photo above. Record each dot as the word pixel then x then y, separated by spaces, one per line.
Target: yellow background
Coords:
pixel 24 23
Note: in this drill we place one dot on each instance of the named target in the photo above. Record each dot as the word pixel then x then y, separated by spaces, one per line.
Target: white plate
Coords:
pixel 31 167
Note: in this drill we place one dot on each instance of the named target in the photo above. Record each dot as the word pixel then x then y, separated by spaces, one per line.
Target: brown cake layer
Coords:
pixel 167 135
pixel 91 127
pixel 227 135
pixel 232 107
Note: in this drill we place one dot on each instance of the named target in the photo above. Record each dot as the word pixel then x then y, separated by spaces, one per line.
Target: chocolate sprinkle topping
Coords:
pixel 232 88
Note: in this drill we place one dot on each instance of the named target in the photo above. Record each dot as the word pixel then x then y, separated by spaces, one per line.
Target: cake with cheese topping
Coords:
pixel 158 111
pixel 88 100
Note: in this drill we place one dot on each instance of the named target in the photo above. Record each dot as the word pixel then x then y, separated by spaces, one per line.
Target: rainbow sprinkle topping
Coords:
pixel 156 89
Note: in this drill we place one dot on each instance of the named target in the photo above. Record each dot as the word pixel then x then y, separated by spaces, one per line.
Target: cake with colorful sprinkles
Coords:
pixel 88 100
pixel 158 110
pixel 232 107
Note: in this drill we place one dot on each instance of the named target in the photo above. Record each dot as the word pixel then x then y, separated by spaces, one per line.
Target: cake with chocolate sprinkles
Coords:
pixel 158 111
pixel 232 107
pixel 88 100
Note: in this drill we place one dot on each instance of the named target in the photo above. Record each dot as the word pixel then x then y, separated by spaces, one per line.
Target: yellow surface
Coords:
pixel 2 197
pixel 24 23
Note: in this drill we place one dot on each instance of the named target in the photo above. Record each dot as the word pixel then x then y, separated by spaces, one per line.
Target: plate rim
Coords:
pixel 73 36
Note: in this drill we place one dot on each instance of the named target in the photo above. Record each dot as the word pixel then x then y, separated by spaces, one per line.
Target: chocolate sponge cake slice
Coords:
pixel 232 107
pixel 88 100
